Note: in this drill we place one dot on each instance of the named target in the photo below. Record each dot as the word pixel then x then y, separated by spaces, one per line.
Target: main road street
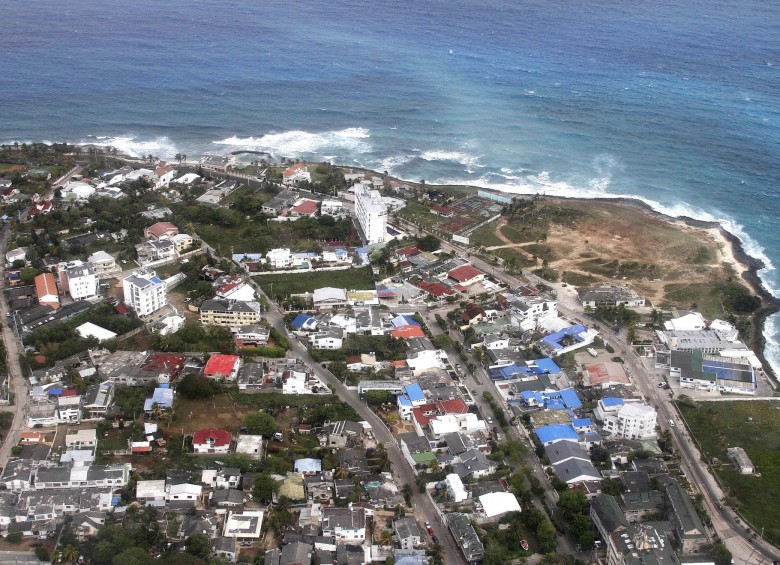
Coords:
pixel 17 383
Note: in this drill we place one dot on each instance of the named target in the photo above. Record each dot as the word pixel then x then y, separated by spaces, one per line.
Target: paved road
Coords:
pixel 17 384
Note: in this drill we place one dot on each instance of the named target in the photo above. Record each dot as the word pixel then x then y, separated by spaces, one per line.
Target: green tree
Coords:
pixel 71 553
pixel 545 535
pixel 572 503
pixel 198 545
pixel 28 274
pixel 196 387
pixel 495 554
pixel 720 554
pixel 260 423
pixel 133 556
pixel 264 488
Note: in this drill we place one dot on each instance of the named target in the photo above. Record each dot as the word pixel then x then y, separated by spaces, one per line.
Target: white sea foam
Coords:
pixel 297 142
pixel 455 156
pixel 131 145
pixel 772 347
pixel 390 164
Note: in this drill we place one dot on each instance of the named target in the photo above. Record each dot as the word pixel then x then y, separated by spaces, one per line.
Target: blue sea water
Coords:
pixel 675 101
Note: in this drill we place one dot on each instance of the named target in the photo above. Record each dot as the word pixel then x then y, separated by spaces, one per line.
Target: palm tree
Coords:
pixel 177 157
pixel 386 538
pixel 342 472
pixel 56 556
pixel 70 553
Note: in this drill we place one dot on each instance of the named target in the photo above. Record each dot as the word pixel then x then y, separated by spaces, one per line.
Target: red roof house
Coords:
pixel 407 252
pixel 211 441
pixel 168 364
pixel 437 289
pixel 407 332
pixel 161 229
pixel 466 275
pixel 224 367
pixel 305 208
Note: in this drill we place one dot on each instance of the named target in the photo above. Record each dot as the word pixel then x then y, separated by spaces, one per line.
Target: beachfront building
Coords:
pixel 633 420
pixel 144 292
pixel 104 264
pixel 371 214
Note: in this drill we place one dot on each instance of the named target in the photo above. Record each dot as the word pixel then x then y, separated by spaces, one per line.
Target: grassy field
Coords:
pixel 419 214
pixel 286 284
pixel 719 425
pixel 485 236
pixel 705 295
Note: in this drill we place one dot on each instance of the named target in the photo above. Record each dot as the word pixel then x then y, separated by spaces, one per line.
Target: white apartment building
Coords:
pixel 279 258
pixel 633 420
pixel 79 279
pixel 104 264
pixel 371 213
pixel 144 292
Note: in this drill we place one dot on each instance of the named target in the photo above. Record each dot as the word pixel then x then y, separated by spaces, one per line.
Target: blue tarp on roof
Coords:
pixel 581 422
pixel 362 250
pixel 307 465
pixel 556 432
pixel 301 320
pixel 400 321
pixel 547 366
pixel 414 392
pixel 55 391
pixel 612 401
pixel 156 280
pixel 553 340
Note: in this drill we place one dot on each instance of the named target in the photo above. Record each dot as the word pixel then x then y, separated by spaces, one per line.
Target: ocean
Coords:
pixel 675 102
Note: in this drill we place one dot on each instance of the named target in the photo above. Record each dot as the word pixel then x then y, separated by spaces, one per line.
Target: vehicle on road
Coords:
pixel 671 423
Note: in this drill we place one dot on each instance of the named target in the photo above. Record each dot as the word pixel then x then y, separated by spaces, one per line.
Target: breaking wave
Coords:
pixel 303 143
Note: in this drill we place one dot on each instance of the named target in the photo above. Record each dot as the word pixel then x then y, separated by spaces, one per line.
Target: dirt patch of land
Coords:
pixel 593 242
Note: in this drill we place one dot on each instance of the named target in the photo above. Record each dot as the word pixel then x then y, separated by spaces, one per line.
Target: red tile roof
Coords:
pixel 219 437
pixel 437 289
pixel 220 364
pixel 407 332
pixel 408 252
pixel 306 208
pixel 465 273
pixel 456 406
pixel 169 364
pixel 294 169
pixel 121 309
pixel 161 228
pixel 45 286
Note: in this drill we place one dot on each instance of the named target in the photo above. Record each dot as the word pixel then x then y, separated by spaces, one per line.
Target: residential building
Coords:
pixel 78 279
pixel 345 524
pixel 329 297
pixel 334 208
pixel 182 242
pixel 46 291
pixel 688 529
pixel 244 525
pixel 610 296
pixel 160 230
pixel 633 420
pixel 155 250
pixel 728 372
pixel 295 174
pixel 466 275
pixel 145 293
pixel 222 367
pixel 69 409
pixel 81 439
pixel 279 258
pixel 251 335
pixel 104 264
pixel 371 214
pixel 465 536
pixel 408 532
pixel 211 441
pixel 151 493
pixel 229 314
pixel 113 476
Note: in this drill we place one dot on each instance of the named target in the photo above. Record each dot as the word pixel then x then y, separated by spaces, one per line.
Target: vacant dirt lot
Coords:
pixel 589 242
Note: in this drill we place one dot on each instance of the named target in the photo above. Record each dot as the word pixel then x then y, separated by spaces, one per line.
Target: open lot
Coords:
pixel 592 242
pixel 286 284
pixel 754 426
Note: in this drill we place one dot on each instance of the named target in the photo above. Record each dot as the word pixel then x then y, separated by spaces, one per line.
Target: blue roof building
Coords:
pixel 415 394
pixel 581 423
pixel 557 432
pixel 554 339
pixel 545 366
pixel 304 321
pixel 307 465
pixel 565 399
pixel 162 397
pixel 610 401
pixel 400 321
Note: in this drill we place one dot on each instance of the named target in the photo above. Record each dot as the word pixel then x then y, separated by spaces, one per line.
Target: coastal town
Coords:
pixel 244 359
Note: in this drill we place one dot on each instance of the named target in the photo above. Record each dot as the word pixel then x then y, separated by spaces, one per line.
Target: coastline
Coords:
pixel 731 246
